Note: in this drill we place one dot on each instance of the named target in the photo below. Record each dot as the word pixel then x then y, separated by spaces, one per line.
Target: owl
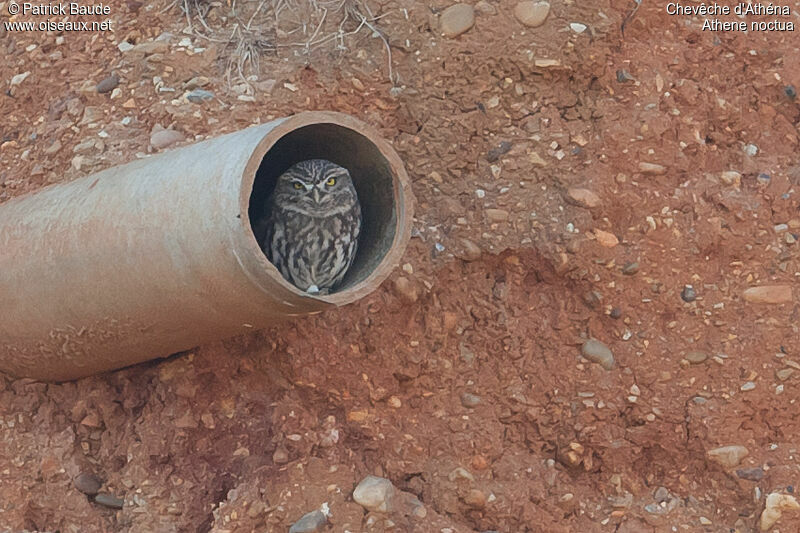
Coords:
pixel 313 224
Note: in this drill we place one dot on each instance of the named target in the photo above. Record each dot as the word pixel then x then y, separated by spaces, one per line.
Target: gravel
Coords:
pixel 599 353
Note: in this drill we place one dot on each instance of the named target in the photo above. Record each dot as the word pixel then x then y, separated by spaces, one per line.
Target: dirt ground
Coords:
pixel 570 185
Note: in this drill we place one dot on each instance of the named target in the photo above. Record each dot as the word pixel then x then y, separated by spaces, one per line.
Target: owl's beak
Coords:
pixel 316 195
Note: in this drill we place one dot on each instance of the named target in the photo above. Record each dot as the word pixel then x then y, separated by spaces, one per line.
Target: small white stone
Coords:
pixel 577 27
pixel 19 78
pixel 124 46
pixel 313 289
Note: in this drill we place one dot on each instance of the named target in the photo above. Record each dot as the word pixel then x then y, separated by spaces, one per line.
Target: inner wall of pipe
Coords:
pixel 372 177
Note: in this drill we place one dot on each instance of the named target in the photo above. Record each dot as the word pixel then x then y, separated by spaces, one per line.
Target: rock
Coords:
pixel 751 474
pixel 728 456
pixel 456 19
pixel 747 386
pixel 109 500
pixel 630 268
pixel 750 149
pixel 599 353
pixel 199 95
pixel 163 138
pixel 470 400
pixel 775 505
pixel 374 493
pixel 501 149
pixel 696 358
pixel 460 473
pixel 616 312
pixel 310 522
pixel 406 290
pixel 583 197
pixel 688 294
pixel 532 14
pixel 605 238
pixel 476 499
pixel 768 294
pixel 497 215
pixel 784 373
pixel 470 251
pixel 108 84
pixel 652 168
pixel 125 46
pixel 87 483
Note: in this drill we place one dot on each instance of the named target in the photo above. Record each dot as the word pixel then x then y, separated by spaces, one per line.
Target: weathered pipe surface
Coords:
pixel 159 255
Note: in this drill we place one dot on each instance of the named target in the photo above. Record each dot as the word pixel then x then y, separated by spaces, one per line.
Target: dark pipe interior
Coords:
pixel 372 177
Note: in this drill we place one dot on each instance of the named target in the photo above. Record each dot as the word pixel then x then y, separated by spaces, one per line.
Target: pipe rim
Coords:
pixel 268 274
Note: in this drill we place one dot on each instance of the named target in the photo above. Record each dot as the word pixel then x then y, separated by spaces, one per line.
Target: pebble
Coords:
pixel 773 509
pixel 501 149
pixel 406 290
pixel 696 358
pixel 616 312
pixel 605 238
pixel 790 91
pixel 476 499
pixel 53 148
pixel 87 483
pixel 532 14
pixel 751 474
pixel 662 495
pixel 577 27
pixel 471 251
pixel 456 19
pixel 768 294
pixel 731 177
pixel 583 197
pixel 599 353
pixel 199 95
pixel 373 493
pixel 19 78
pixel 750 149
pixel 747 385
pixel 485 8
pixel 630 268
pixel 164 138
pixel 125 46
pixel 688 294
pixel 497 215
pixel 152 47
pixel 310 522
pixel 108 84
pixel 652 168
pixel 470 400
pixel 623 76
pixel 784 373
pixel 109 500
pixel 728 456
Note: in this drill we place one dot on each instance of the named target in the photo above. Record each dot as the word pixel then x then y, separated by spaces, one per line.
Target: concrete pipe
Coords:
pixel 159 255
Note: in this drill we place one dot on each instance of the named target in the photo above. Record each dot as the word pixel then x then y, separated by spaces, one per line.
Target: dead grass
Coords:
pixel 250 29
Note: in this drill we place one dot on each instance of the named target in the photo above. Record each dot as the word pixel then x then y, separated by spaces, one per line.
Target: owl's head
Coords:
pixel 316 186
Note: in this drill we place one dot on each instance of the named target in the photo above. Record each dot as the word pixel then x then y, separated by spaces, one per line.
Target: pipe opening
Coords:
pixel 372 178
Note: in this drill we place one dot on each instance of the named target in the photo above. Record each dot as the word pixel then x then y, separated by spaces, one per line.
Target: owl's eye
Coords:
pixel 331 182
pixel 298 186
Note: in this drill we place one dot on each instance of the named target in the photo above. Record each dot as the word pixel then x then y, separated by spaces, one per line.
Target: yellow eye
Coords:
pixel 331 182
pixel 298 185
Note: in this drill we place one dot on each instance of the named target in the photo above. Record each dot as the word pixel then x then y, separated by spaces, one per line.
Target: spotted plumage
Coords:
pixel 313 226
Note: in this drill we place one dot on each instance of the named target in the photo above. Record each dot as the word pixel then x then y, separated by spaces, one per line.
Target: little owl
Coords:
pixel 313 226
